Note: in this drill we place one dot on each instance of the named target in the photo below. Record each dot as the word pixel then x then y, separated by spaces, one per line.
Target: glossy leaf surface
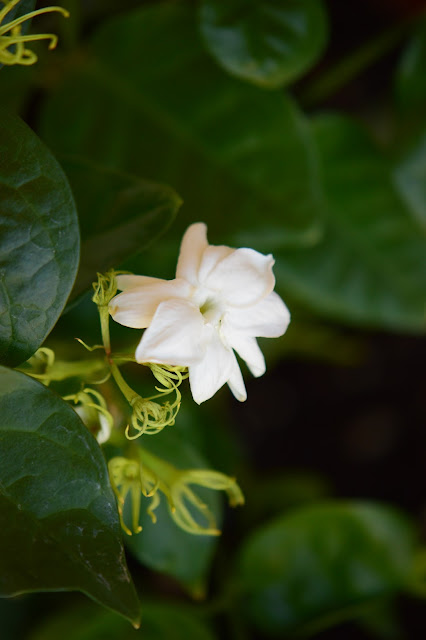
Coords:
pixel 39 241
pixel 269 43
pixel 324 560
pixel 59 526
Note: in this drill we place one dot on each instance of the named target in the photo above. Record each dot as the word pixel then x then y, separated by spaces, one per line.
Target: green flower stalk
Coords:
pixel 44 367
pixel 148 417
pixel 151 476
pixel 12 42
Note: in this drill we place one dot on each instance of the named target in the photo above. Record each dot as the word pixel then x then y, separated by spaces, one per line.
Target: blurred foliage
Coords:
pixel 267 43
pixel 196 128
pixel 324 561
pixel 234 111
pixel 121 215
pixel 160 622
pixel 410 84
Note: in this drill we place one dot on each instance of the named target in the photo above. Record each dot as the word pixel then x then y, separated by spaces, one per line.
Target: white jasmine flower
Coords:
pixel 220 301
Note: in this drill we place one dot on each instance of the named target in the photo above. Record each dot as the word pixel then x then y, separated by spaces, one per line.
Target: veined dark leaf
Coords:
pixel 59 527
pixel 39 241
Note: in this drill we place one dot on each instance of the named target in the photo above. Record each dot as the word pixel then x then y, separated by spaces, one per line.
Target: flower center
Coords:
pixel 211 310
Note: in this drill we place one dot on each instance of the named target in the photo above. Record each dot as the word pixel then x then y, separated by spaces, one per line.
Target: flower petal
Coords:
pixel 248 349
pixel 210 374
pixel 243 278
pixel 236 383
pixel 211 258
pixel 174 335
pixel 193 244
pixel 135 307
pixel 269 318
pixel 130 281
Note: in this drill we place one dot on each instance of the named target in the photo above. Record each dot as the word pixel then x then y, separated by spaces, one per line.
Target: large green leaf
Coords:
pixel 410 178
pixel 120 215
pixel 165 547
pixel 242 159
pixel 322 563
pixel 39 241
pixel 59 526
pixel 370 266
pixel 267 42
pixel 160 621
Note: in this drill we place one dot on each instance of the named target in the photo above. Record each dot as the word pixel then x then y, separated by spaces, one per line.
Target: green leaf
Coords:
pixel 370 266
pixel 410 179
pixel 322 563
pixel 39 241
pixel 59 526
pixel 241 158
pixel 165 547
pixel 267 42
pixel 160 621
pixel 120 215
pixel 410 80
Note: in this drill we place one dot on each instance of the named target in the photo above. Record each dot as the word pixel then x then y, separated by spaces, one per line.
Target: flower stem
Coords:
pixel 104 317
pixel 127 391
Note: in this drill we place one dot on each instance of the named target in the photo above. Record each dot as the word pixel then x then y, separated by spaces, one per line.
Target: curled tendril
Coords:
pixel 169 376
pixel 19 54
pixel 93 411
pixel 151 476
pixel 184 504
pixel 150 417
pixel 40 364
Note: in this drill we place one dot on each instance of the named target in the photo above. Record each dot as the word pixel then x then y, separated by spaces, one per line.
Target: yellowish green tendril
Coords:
pixel 151 476
pixel 148 417
pixel 12 42
pixel 93 411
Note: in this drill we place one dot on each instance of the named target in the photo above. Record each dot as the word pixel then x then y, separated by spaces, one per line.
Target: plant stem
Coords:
pixel 104 317
pixel 127 391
